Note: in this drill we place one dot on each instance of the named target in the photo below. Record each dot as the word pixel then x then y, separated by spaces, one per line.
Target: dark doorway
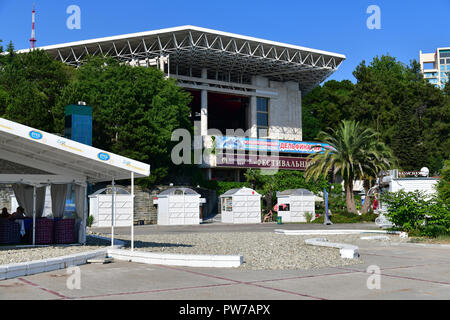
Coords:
pixel 224 111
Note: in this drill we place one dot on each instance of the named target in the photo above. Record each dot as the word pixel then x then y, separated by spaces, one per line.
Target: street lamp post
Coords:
pixel 327 220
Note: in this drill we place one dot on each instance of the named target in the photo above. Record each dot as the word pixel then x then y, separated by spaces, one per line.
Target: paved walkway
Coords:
pixel 407 272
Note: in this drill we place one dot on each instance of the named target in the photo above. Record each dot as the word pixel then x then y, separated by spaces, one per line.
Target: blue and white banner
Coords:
pixel 280 146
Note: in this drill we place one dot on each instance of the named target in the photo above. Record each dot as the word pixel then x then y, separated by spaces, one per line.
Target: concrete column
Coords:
pixel 204 107
pixel 209 174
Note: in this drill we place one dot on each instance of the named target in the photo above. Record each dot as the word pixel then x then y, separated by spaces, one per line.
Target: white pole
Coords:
pixel 85 214
pixel 34 215
pixel 112 212
pixel 132 211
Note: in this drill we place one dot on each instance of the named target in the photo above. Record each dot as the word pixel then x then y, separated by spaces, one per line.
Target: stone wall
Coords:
pixel 5 197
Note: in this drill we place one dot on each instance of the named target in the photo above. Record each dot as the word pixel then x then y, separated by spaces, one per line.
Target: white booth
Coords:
pixel 293 204
pixel 179 206
pixel 100 208
pixel 241 206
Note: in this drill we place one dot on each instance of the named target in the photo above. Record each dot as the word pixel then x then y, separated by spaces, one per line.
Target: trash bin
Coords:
pixel 279 220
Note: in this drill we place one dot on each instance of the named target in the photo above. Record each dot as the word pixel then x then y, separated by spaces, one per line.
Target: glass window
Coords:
pixel 284 207
pixel 448 61
pixel 227 204
pixel 448 67
pixel 442 68
pixel 262 104
pixel 262 117
pixel 442 61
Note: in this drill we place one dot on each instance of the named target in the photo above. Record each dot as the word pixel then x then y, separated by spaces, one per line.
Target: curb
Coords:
pixel 14 270
pixel 186 260
pixel 347 251
pixel 170 259
pixel 332 232
pixel 426 245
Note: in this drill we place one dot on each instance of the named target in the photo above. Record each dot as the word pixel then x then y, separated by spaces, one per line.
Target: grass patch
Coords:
pixel 348 218
pixel 443 239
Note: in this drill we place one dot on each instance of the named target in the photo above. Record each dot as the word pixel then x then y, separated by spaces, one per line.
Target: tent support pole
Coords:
pixel 34 215
pixel 85 214
pixel 113 204
pixel 132 211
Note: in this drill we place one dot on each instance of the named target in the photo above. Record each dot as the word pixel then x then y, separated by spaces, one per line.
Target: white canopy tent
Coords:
pixel 35 158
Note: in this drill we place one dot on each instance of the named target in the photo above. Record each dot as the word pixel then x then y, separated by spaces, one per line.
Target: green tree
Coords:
pixel 355 153
pixel 411 115
pixel 325 106
pixel 135 111
pixel 443 186
pixel 30 84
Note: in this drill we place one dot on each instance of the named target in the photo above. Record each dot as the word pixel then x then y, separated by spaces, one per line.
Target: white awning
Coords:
pixel 54 159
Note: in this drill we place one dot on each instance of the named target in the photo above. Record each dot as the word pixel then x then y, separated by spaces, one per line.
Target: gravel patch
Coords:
pixel 261 250
pixel 10 255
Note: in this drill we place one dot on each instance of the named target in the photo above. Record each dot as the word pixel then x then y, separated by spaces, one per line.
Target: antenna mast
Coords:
pixel 33 32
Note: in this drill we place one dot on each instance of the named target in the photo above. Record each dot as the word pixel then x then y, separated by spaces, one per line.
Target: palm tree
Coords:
pixel 355 153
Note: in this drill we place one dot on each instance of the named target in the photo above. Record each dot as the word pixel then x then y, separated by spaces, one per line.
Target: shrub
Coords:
pixel 308 216
pixel 417 213
pixel 434 231
pixel 406 210
pixel 347 218
pixel 443 186
pixel 90 221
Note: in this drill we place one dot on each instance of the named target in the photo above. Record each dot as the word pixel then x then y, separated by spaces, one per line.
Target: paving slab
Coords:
pixel 407 272
pixel 354 287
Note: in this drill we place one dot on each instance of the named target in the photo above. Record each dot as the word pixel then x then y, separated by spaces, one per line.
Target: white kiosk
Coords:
pixel 293 204
pixel 178 206
pixel 241 206
pixel 100 208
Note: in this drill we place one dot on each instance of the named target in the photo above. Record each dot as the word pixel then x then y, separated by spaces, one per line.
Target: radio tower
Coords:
pixel 33 32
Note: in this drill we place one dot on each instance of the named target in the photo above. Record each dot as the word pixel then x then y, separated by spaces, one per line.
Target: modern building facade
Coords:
pixel 436 66
pixel 237 83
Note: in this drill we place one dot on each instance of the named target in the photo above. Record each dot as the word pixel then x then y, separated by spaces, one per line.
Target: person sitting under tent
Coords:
pixel 5 213
pixel 19 214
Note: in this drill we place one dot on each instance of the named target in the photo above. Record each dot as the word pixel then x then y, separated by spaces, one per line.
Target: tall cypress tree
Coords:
pixel 407 142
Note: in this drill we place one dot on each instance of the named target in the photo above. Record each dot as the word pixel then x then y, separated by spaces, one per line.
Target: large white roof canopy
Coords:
pixel 192 48
pixel 32 156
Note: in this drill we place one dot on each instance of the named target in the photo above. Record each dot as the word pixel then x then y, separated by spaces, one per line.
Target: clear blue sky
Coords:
pixel 332 25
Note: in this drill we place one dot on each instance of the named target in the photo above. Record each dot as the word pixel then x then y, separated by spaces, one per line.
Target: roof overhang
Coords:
pixel 194 47
pixel 60 160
